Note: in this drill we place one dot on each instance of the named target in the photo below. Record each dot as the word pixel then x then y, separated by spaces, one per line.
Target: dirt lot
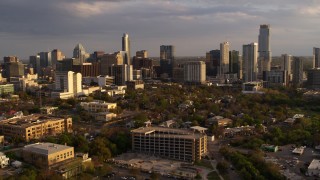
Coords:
pixel 151 163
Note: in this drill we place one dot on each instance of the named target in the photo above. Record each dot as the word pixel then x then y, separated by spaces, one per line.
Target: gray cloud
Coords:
pixel 194 26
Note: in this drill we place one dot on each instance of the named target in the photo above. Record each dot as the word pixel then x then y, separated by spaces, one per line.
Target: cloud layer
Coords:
pixel 193 26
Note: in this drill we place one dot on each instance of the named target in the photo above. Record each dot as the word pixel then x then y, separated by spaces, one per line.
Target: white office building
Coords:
pixel 67 85
pixel 195 72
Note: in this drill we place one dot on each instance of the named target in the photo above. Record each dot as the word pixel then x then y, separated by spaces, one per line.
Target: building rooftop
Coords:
pixel 163 131
pixel 315 164
pixel 97 102
pixel 30 120
pixel 45 148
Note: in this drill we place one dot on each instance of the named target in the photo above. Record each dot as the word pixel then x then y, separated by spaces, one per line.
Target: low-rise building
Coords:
pixel 6 89
pixel 35 126
pixel 4 160
pixel 298 151
pixel 219 121
pixel 98 106
pixel 314 168
pixel 48 110
pixel 44 155
pixel 179 144
pixel 136 84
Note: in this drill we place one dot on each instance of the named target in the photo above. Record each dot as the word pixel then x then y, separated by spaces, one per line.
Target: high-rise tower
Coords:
pixel 126 48
pixel 79 53
pixel 316 57
pixel 224 58
pixel 250 55
pixel 264 62
pixel 167 59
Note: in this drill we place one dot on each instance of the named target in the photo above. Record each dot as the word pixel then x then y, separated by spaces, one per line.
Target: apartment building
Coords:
pixel 35 126
pixel 178 144
pixel 47 154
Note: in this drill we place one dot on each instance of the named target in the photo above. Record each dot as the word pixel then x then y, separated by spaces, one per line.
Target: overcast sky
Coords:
pixel 193 26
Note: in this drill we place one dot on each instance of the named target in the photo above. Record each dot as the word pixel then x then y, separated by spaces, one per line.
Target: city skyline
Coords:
pixel 194 27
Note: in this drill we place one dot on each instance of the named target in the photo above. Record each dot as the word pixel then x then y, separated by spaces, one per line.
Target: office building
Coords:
pixel 13 69
pixel 35 126
pixel 249 65
pixel 96 56
pixel 297 78
pixel 45 59
pixel 264 62
pixel 313 78
pixel 179 144
pixel 80 54
pixel 213 62
pixel 34 61
pixel 87 69
pixel 44 155
pixel 167 54
pixel 122 74
pixel 142 54
pixel 10 59
pixel 108 60
pixel 67 85
pixel 275 78
pixel 126 48
pixel 316 57
pixel 224 58
pixel 235 63
pixel 195 72
pixel 56 56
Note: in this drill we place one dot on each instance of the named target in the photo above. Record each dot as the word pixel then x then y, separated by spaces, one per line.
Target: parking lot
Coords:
pixel 290 163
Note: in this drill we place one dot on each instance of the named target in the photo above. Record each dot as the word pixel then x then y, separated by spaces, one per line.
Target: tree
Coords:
pixel 223 167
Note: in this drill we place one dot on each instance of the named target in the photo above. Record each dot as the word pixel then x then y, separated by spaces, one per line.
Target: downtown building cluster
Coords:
pixel 76 76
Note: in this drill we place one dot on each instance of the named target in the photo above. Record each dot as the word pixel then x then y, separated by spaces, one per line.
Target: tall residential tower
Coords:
pixel 264 62
pixel 250 55
pixel 224 58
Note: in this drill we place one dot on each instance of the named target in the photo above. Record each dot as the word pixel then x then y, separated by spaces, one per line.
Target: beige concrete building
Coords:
pixel 35 126
pixel 47 154
pixel 179 144
pixel 98 106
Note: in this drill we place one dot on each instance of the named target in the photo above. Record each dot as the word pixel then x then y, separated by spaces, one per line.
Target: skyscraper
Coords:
pixel 264 50
pixel 286 65
pixel 126 48
pixel 45 59
pixel 35 63
pixel 167 59
pixel 224 58
pixel 316 57
pixel 56 55
pixel 79 53
pixel 250 55
pixel 235 63
pixel 297 72
pixel 213 62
